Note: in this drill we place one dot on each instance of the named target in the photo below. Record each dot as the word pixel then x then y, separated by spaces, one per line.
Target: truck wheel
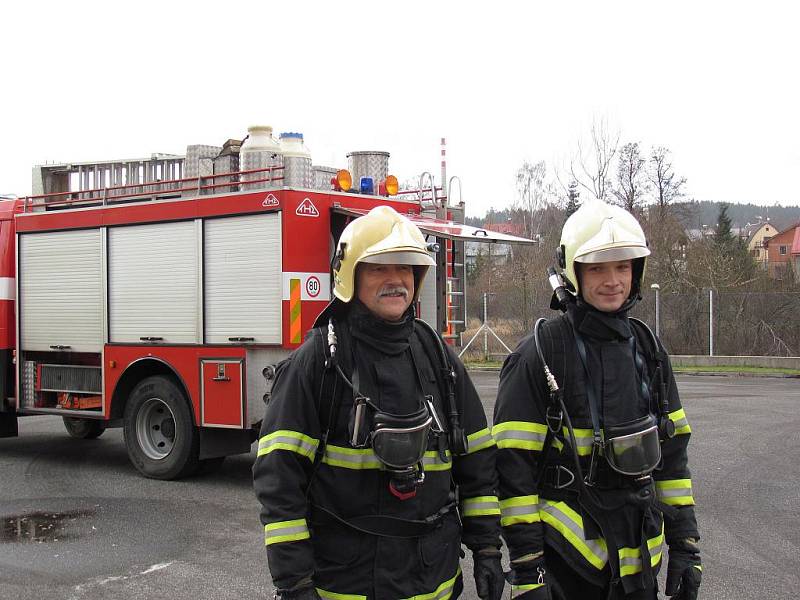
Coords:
pixel 83 429
pixel 160 435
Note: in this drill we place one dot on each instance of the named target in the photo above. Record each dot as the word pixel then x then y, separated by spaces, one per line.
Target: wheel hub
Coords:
pixel 155 429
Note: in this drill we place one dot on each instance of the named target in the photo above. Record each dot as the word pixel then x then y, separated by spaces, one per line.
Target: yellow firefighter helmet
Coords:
pixel 599 232
pixel 381 236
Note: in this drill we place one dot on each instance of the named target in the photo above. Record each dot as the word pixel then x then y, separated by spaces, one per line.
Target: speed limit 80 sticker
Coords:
pixel 313 286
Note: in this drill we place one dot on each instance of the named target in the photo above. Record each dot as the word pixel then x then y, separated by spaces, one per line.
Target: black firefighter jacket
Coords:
pixel 533 517
pixel 344 563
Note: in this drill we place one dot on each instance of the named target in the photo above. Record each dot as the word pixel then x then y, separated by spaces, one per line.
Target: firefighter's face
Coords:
pixel 607 285
pixel 386 290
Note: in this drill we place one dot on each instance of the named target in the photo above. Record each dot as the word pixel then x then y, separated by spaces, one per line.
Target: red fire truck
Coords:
pixel 150 294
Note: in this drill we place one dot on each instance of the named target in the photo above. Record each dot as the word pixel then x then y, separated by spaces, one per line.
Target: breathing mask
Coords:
pixel 398 441
pixel 633 448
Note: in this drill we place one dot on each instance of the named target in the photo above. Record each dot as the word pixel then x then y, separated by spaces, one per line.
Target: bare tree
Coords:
pixel 667 186
pixel 593 167
pixel 631 182
pixel 535 192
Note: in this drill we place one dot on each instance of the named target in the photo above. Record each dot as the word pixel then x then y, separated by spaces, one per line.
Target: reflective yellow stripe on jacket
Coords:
pixel 334 596
pixel 675 492
pixel 630 559
pixel 443 592
pixel 518 590
pixel 480 506
pixel 519 509
pixel 584 438
pixel 520 435
pixel 479 440
pixel 365 458
pixel 569 524
pixel 681 423
pixel 292 441
pixel 286 531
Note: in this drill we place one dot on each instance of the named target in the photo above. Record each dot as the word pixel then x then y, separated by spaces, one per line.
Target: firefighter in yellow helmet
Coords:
pixel 591 434
pixel 375 462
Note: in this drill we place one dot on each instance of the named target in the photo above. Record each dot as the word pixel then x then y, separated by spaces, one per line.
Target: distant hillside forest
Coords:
pixel 694 214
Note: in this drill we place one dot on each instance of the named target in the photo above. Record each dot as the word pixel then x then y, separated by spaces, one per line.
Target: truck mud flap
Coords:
pixel 8 425
pixel 224 442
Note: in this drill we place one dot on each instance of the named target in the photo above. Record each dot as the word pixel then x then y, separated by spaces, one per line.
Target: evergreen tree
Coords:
pixel 572 199
pixel 723 236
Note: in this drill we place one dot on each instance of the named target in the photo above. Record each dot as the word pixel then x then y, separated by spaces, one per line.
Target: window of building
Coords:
pixel 782 250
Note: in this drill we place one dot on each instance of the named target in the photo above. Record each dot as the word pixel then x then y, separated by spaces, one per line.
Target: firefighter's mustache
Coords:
pixel 393 291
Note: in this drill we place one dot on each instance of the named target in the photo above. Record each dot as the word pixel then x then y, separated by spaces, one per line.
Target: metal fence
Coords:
pixel 724 323
pixel 704 322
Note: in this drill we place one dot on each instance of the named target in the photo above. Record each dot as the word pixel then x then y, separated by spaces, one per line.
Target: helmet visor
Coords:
pixel 414 258
pixel 634 448
pixel 613 254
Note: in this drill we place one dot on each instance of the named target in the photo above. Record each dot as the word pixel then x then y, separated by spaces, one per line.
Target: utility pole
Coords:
pixel 655 287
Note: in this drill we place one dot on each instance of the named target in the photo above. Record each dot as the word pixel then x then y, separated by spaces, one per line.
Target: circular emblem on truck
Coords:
pixel 313 286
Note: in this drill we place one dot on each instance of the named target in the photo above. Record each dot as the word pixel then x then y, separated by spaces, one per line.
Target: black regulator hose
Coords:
pixel 561 298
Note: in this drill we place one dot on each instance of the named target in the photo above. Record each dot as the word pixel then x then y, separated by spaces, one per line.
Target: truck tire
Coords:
pixel 160 435
pixel 83 429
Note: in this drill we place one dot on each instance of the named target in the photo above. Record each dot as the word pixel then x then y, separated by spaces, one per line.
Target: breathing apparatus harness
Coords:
pixel 398 441
pixel 632 450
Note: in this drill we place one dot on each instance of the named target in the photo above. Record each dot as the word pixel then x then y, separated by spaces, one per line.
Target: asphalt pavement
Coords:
pixel 78 522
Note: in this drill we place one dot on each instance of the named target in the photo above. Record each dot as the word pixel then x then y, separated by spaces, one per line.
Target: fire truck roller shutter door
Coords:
pixel 242 283
pixel 160 435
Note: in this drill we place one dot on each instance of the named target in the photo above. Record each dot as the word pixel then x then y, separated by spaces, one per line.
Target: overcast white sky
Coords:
pixel 504 82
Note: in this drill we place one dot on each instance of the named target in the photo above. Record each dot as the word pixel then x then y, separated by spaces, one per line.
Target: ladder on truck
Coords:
pixel 451 265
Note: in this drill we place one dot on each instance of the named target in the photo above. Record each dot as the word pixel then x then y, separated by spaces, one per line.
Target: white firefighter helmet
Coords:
pixel 599 232
pixel 381 236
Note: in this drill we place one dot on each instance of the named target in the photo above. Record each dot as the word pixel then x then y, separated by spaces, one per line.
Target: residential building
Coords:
pixel 783 251
pixel 757 235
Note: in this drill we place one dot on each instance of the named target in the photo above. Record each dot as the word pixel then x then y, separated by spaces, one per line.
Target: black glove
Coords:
pixel 684 570
pixel 529 580
pixel 304 590
pixel 489 577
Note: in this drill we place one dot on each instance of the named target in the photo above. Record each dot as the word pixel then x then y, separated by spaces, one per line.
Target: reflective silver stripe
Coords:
pixel 479 440
pixel 519 434
pixel 433 462
pixel 675 492
pixel 286 531
pixel 350 458
pixel 630 561
pixel 481 506
pixel 681 422
pixel 583 438
pixel 520 509
pixel 288 440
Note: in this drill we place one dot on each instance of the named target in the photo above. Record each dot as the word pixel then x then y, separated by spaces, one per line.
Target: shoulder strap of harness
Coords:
pixel 657 360
pixel 437 354
pixel 329 390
